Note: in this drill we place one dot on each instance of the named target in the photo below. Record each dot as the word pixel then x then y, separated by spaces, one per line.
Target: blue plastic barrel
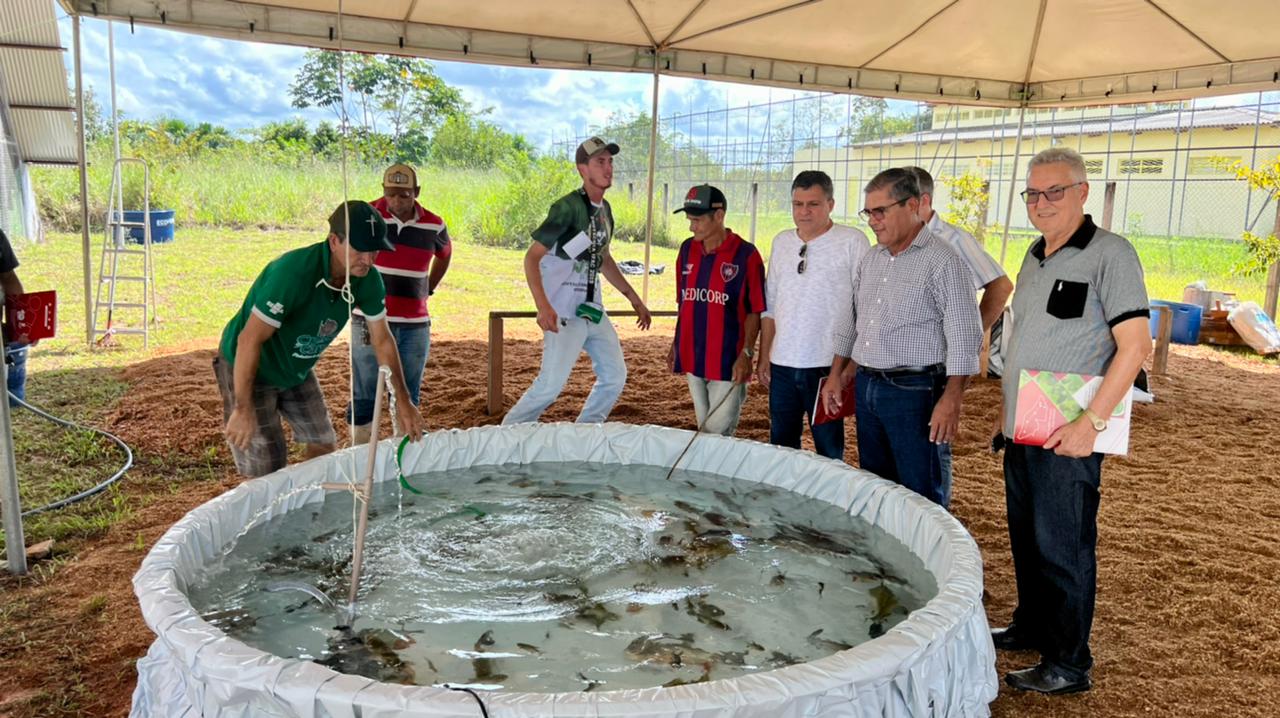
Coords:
pixel 1186 321
pixel 161 225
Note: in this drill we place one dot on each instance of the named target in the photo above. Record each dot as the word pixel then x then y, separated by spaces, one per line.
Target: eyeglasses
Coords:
pixel 803 249
pixel 1053 194
pixel 877 213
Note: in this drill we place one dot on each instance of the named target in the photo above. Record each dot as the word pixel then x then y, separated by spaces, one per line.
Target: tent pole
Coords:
pixel 84 183
pixel 1013 184
pixel 653 160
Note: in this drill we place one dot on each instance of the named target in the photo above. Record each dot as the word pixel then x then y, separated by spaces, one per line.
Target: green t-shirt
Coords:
pixel 291 295
pixel 564 278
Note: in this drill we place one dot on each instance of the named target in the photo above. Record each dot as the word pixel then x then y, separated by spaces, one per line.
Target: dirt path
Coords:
pixel 1189 554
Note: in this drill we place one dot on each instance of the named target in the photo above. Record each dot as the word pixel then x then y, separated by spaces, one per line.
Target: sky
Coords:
pixel 241 85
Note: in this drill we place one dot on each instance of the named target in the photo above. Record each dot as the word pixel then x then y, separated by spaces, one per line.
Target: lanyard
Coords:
pixel 595 253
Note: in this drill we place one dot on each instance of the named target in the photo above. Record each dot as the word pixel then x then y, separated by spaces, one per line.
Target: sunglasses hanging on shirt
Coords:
pixel 804 248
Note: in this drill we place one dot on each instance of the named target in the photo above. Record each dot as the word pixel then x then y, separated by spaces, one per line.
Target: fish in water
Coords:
pixel 707 613
pixel 232 620
pixel 521 483
pixel 706 676
pixel 530 648
pixel 597 613
pixel 667 649
pixel 778 579
pixel 778 659
pixel 821 587
pixel 818 641
pixel 687 507
pixel 590 683
pixel 484 666
pixel 370 653
pixel 886 605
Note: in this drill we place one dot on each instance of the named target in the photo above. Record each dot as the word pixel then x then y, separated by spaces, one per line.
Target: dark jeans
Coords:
pixel 1053 533
pixel 791 396
pixel 16 358
pixel 893 432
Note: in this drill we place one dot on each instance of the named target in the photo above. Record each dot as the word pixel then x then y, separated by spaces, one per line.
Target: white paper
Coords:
pixel 577 245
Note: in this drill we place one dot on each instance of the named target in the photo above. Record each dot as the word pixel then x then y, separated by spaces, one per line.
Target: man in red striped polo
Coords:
pixel 720 295
pixel 411 273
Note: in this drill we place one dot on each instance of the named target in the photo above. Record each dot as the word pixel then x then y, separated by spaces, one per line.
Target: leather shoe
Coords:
pixel 1011 638
pixel 1043 678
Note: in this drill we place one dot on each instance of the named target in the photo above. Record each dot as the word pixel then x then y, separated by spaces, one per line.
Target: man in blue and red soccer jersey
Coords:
pixel 720 295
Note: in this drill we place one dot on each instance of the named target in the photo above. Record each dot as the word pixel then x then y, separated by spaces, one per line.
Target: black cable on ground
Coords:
pixel 483 710
pixel 128 463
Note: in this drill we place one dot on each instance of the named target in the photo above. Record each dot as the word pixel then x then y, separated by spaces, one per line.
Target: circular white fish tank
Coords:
pixel 649 619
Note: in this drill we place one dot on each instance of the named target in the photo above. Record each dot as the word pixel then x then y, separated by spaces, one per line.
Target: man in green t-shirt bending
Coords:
pixel 295 309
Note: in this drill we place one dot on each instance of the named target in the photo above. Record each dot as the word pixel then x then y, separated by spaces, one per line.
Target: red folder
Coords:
pixel 819 414
pixel 33 315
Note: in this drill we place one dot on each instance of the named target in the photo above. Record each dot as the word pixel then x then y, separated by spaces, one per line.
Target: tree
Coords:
pixel 470 142
pixel 1264 251
pixel 401 98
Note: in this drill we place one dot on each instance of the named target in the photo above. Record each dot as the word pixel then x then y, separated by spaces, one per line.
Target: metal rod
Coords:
pixel 653 163
pixel 365 494
pixel 15 543
pixel 84 184
pixel 1013 185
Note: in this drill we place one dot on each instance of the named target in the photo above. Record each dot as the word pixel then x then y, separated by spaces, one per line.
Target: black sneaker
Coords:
pixel 1044 678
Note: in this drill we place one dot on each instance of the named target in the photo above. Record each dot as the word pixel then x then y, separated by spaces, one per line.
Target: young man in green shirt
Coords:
pixel 294 310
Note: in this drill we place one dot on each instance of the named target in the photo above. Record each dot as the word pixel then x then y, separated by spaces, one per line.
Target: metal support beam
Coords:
pixel 84 184
pixel 653 168
pixel 1273 276
pixel 14 541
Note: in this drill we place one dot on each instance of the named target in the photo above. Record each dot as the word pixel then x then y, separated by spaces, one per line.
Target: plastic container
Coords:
pixel 1255 327
pixel 162 225
pixel 1186 322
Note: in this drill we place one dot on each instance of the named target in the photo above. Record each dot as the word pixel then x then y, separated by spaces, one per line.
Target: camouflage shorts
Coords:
pixel 302 406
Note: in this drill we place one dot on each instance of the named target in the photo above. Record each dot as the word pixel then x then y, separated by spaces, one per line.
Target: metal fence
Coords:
pixel 1166 159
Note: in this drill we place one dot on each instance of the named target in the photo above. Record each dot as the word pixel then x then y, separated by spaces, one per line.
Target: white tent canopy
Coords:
pixel 992 52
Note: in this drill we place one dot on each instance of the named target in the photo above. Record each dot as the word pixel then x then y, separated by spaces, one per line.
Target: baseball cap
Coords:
pixel 368 228
pixel 400 176
pixel 703 199
pixel 591 148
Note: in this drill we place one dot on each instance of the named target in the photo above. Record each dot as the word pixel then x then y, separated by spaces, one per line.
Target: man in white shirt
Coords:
pixel 988 277
pixel 810 280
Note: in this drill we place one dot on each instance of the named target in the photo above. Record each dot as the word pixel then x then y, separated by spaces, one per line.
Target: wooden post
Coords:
pixel 666 205
pixel 1108 205
pixel 1164 331
pixel 631 191
pixel 755 194
pixel 493 406
pixel 1273 275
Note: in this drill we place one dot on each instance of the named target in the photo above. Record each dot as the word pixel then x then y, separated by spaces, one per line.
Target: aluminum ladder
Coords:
pixel 118 267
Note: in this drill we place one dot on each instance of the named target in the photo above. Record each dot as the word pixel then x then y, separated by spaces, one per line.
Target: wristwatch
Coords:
pixel 1098 422
pixel 750 354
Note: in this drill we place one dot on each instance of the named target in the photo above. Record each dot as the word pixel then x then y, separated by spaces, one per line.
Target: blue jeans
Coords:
pixel 893 432
pixel 560 352
pixel 16 358
pixel 413 342
pixel 791 396
pixel 1053 534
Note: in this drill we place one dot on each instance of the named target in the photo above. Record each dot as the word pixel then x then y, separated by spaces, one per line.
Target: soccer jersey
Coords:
pixel 565 278
pixel 405 271
pixel 292 294
pixel 715 293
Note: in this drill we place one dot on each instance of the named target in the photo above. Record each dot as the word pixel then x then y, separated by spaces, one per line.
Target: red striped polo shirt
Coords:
pixel 404 271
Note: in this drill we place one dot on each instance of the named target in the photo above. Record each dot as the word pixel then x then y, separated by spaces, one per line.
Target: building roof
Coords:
pixel 33 83
pixel 1164 120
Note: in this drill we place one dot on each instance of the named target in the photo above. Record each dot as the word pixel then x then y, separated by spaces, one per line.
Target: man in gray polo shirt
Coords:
pixel 1080 306
pixel 913 335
